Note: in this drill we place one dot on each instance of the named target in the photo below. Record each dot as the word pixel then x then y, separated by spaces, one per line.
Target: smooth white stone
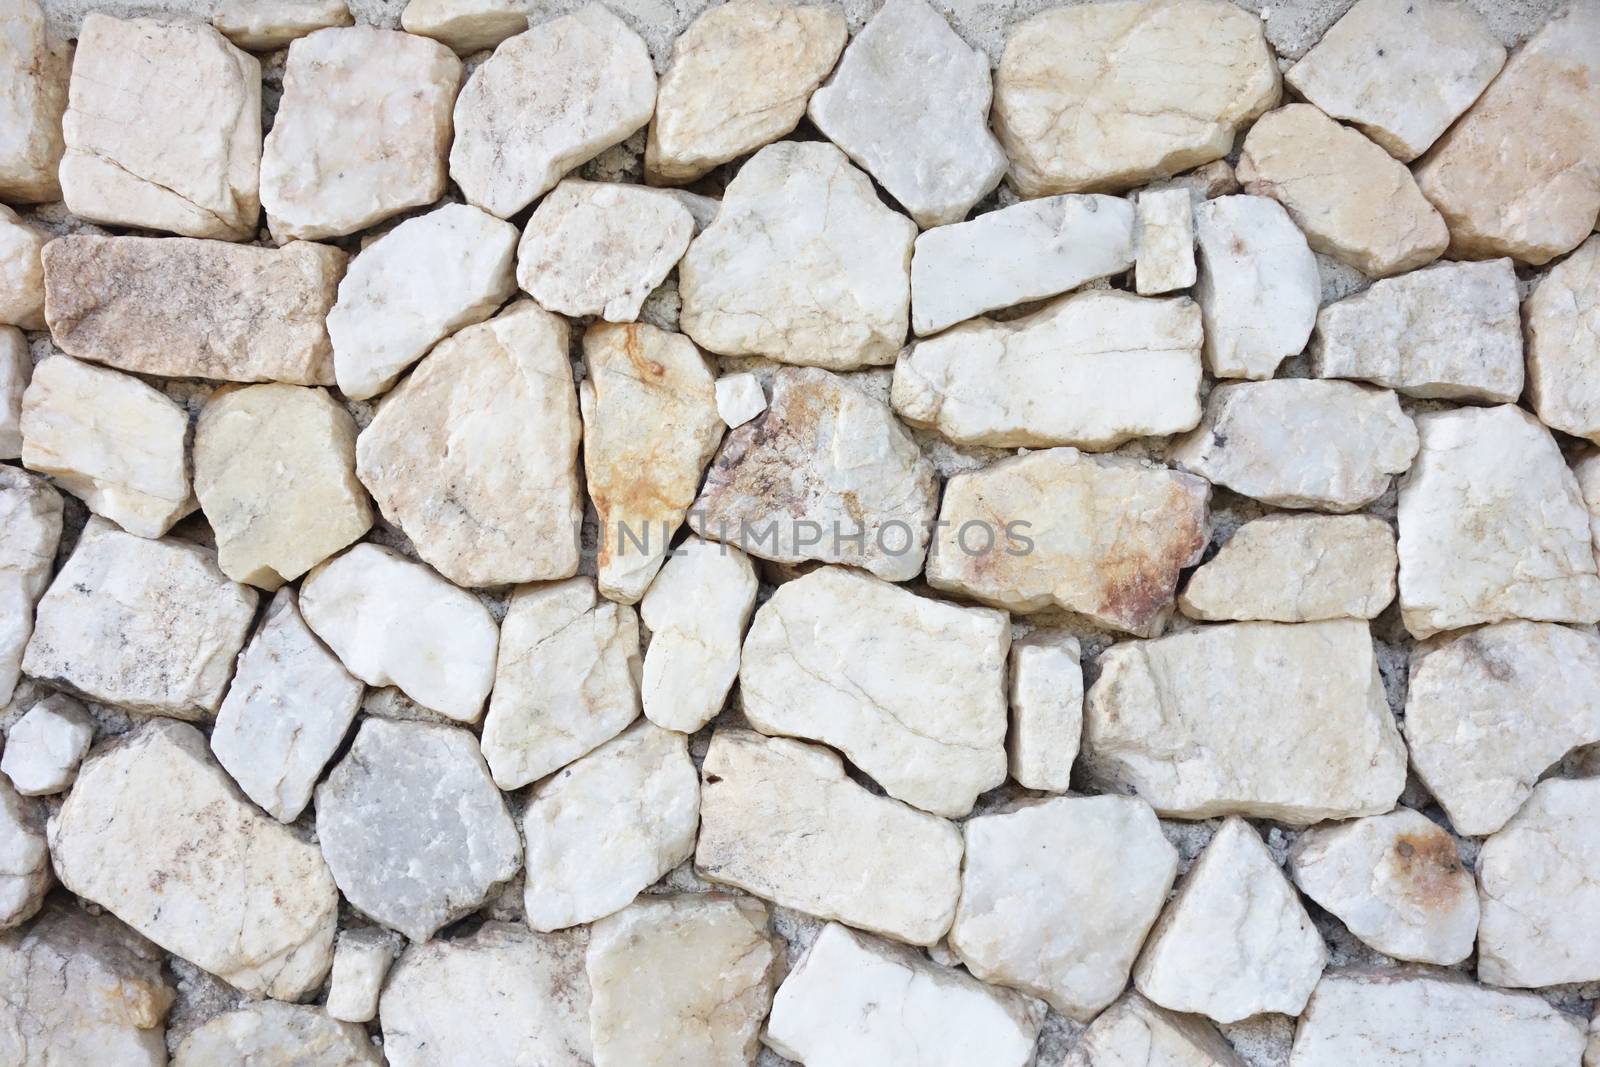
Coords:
pixel 30 532
pixel 739 398
pixel 1164 242
pixel 697 610
pixel 1258 285
pixel 21 272
pixel 283 1033
pixel 1046 710
pixel 45 746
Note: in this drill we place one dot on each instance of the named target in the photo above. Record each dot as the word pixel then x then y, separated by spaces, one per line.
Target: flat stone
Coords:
pixel 1164 242
pixel 740 78
pixel 162 129
pixel 110 440
pixel 155 832
pixel 1488 712
pixel 1347 441
pixel 152 626
pixel 1492 526
pixel 45 746
pixel 1028 251
pixel 1104 98
pixel 1136 1033
pixel 650 426
pixel 608 825
pixel 1258 285
pixel 394 303
pixel 274 470
pixel 803 264
pixel 30 530
pixel 780 819
pixel 696 610
pixel 394 622
pixel 413 828
pixel 1563 331
pixel 1094 872
pixel 474 456
pixel 909 103
pixel 1101 536
pixel 467 26
pixel 567 680
pixel 183 308
pixel 1451 331
pixel 1297 568
pixel 1395 1019
pixel 513 996
pixel 33 94
pixel 21 275
pixel 1516 175
pixel 1093 369
pixel 24 856
pixel 94 993
pixel 1235 941
pixel 1396 881
pixel 739 398
pixel 361 132
pixel 1352 199
pixel 268 25
pixel 284 1033
pixel 682 979
pixel 924 714
pixel 546 102
pixel 835 456
pixel 1046 710
pixel 16 368
pixel 1259 719
pixel 855 999
pixel 361 960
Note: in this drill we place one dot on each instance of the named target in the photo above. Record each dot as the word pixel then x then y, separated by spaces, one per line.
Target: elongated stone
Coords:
pixel 268 25
pixel 30 531
pixel 1258 285
pixel 1164 242
pixel 1046 710
pixel 1136 1033
pixel 24 856
pixel 697 610
pixel 289 1033
pixel 33 93
pixel 1563 331
pixel 21 274
pixel 16 368
pixel 361 960
pixel 468 26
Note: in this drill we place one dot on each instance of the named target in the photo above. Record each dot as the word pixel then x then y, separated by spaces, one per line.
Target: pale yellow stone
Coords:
pixel 33 94
pixel 21 272
pixel 467 26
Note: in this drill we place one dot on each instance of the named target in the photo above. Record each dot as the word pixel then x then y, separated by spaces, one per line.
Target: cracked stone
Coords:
pixel 21 274
pixel 24 856
pixel 45 746
pixel 1563 331
pixel 361 960
pixel 1136 1033
pixel 468 26
pixel 1046 710
pixel 33 94
pixel 268 25
pixel 30 530
pixel 1164 242
pixel 1258 285
pixel 277 1033
pixel 696 610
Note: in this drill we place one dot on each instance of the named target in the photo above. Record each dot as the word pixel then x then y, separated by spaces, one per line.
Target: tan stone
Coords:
pixel 33 94
pixel 467 26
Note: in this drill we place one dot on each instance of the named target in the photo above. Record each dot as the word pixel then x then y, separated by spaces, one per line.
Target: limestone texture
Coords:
pixel 468 26
pixel 268 25
pixel 30 532
pixel 1046 683
pixel 361 960
pixel 739 398
pixel 24 856
pixel 1164 242
pixel 696 609
pixel 45 746
pixel 16 368
pixel 33 93
pixel 21 274
pixel 1136 1033
pixel 269 1032
pixel 1258 285
pixel 1563 331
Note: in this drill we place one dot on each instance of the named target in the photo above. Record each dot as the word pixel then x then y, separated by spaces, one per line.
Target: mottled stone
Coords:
pixel 1563 330
pixel 1258 285
pixel 30 531
pixel 1046 710
pixel 268 25
pixel 45 746
pixel 269 1032
pixel 361 960
pixel 33 94
pixel 21 274
pixel 1164 242
pixel 1136 1033
pixel 1297 568
pixel 696 610
pixel 467 26
pixel 24 856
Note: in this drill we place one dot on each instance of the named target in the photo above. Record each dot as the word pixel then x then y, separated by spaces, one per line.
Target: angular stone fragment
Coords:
pixel 567 680
pixel 1492 526
pixel 682 979
pixel 414 831
pixel 826 473
pixel 269 1032
pixel 183 308
pixel 361 960
pixel 1299 443
pixel 156 833
pixel 1258 719
pixel 1092 369
pixel 1046 710
pixel 268 25
pixel 21 276
pixel 111 440
pixel 855 999
pixel 1517 175
pixel 1563 331
pixel 394 622
pixel 1164 242
pixel 803 264
pixel 650 426
pixel 1136 1033
pixel 45 746
pixel 780 819
pixel 163 129
pixel 1094 872
pixel 467 26
pixel 923 713
pixel 696 610
pixel 1235 941
pixel 474 456
pixel 739 398
pixel 16 368
pixel 30 530
pixel 514 996
pixel 24 856
pixel 152 626
pixel 1024 252
pixel 1105 96
pixel 33 94
pixel 1396 881
pixel 545 102
pixel 420 282
pixel 1258 285
pixel 361 132
pixel 1101 536
pixel 740 77
pixel 1297 568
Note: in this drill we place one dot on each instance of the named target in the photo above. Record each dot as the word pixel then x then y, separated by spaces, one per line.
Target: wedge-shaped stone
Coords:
pixel 1396 881
pixel 16 368
pixel 183 308
pixel 45 746
pixel 152 626
pixel 923 713
pixel 30 530
pixel 33 94
pixel 1563 329
pixel 1492 526
pixel 696 610
pixel 24 856
pixel 740 78
pixel 474 456
pixel 803 264
pixel 1299 443
pixel 394 622
pixel 155 832
pixel 1164 242
pixel 1092 369
pixel 545 102
pixel 855 999
pixel 1258 285
pixel 282 1033
pixel 780 819
pixel 467 26
pixel 21 275
pixel 361 960
pixel 1046 710
pixel 827 473
pixel 1105 96
pixel 1101 536
pixel 268 25
pixel 1136 1033
pixel 1297 568
pixel 1258 719
pixel 361 133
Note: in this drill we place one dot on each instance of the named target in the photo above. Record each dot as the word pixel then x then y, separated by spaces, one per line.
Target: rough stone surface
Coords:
pixel 16 368
pixel 361 960
pixel 268 25
pixel 30 530
pixel 1258 285
pixel 276 1033
pixel 1563 331
pixel 1258 719
pixel 467 26
pixel 1136 1033
pixel 1046 710
pixel 696 610
pixel 739 398
pixel 21 275
pixel 24 856
pixel 45 746
pixel 1164 242
pixel 33 94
